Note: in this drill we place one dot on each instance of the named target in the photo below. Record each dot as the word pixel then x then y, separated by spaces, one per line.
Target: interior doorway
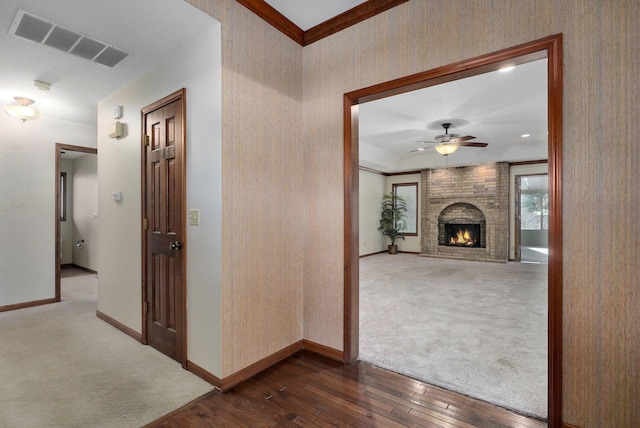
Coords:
pixel 64 212
pixel 549 48
pixel 532 218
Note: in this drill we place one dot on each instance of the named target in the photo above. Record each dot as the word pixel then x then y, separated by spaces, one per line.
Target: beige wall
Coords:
pixel 279 176
pixel 263 201
pixel 372 187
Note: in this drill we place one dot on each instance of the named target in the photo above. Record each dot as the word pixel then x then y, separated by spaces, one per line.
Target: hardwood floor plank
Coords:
pixel 440 419
pixel 308 390
pixel 233 416
pixel 296 397
pixel 407 407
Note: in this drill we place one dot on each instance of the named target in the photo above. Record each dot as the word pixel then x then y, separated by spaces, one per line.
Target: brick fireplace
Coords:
pixel 465 212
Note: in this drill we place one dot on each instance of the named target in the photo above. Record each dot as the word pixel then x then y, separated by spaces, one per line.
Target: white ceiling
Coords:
pixel 309 13
pixel 496 108
pixel 146 28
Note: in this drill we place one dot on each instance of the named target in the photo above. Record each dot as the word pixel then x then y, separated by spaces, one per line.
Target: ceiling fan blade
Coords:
pixel 465 138
pixel 427 142
pixel 473 144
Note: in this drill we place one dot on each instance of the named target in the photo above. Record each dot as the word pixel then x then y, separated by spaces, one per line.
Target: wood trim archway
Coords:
pixel 59 149
pixel 550 48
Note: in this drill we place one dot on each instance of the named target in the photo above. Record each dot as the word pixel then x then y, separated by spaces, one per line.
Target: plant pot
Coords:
pixel 393 249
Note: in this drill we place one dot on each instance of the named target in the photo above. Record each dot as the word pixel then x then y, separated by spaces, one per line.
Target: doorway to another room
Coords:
pixel 549 48
pixel 76 189
pixel 532 218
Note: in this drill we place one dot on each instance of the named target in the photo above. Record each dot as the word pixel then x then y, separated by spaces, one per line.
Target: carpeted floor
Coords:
pixel 475 328
pixel 61 366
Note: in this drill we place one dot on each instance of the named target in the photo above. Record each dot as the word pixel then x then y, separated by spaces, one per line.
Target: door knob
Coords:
pixel 175 245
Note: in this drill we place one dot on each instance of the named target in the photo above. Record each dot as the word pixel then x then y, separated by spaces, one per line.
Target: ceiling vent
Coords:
pixel 41 31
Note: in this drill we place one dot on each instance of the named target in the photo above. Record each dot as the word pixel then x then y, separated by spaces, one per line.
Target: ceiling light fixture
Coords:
pixel 23 109
pixel 525 135
pixel 446 149
pixel 507 68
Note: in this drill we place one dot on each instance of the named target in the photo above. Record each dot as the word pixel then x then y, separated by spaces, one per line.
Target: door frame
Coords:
pixel 60 147
pixel 179 95
pixel 549 48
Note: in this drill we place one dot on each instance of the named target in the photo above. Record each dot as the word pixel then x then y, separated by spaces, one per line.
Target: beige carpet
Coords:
pixel 475 328
pixel 60 366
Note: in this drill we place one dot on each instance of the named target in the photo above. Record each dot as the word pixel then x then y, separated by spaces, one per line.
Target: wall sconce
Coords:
pixel 446 149
pixel 23 109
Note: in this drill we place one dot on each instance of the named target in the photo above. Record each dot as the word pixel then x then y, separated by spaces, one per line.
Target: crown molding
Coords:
pixel 346 19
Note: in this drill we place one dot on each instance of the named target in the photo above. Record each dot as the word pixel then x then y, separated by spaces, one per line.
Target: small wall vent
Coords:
pixel 41 31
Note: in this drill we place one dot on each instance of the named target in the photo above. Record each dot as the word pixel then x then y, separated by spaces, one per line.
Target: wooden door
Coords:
pixel 164 214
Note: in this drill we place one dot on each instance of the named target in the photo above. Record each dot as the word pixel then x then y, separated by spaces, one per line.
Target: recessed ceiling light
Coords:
pixel 506 69
pixel 525 135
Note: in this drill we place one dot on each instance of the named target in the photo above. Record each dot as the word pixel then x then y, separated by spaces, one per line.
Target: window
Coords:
pixel 63 196
pixel 409 191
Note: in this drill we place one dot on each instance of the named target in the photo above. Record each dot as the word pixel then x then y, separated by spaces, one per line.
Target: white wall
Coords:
pixel 409 243
pixel 27 208
pixel 372 187
pixel 85 210
pixel 515 170
pixel 195 66
pixel 66 227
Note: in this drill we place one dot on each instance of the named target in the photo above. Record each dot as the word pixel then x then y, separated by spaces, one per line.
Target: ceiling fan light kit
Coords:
pixel 446 149
pixel 23 109
pixel 447 144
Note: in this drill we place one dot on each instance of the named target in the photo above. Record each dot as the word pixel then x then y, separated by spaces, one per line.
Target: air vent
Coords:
pixel 41 31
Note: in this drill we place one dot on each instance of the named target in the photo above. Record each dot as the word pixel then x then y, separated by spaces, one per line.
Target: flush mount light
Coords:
pixel 23 109
pixel 446 149
pixel 525 135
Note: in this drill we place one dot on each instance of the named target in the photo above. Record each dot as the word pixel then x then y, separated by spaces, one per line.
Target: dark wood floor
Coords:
pixel 312 391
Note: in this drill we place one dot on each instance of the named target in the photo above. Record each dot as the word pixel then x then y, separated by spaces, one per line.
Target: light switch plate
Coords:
pixel 194 217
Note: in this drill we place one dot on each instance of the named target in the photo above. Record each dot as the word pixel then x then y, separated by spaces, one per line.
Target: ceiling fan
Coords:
pixel 446 143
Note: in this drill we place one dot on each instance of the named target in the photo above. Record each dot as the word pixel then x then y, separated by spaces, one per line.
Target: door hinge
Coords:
pixel 145 223
pixel 145 308
pixel 145 140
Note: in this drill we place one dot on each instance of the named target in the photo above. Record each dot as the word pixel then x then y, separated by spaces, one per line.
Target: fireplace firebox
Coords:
pixel 461 235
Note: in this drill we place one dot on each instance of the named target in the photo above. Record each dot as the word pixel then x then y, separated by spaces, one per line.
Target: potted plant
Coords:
pixel 393 211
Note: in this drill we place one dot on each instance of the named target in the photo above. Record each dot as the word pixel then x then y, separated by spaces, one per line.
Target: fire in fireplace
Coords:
pixel 462 235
